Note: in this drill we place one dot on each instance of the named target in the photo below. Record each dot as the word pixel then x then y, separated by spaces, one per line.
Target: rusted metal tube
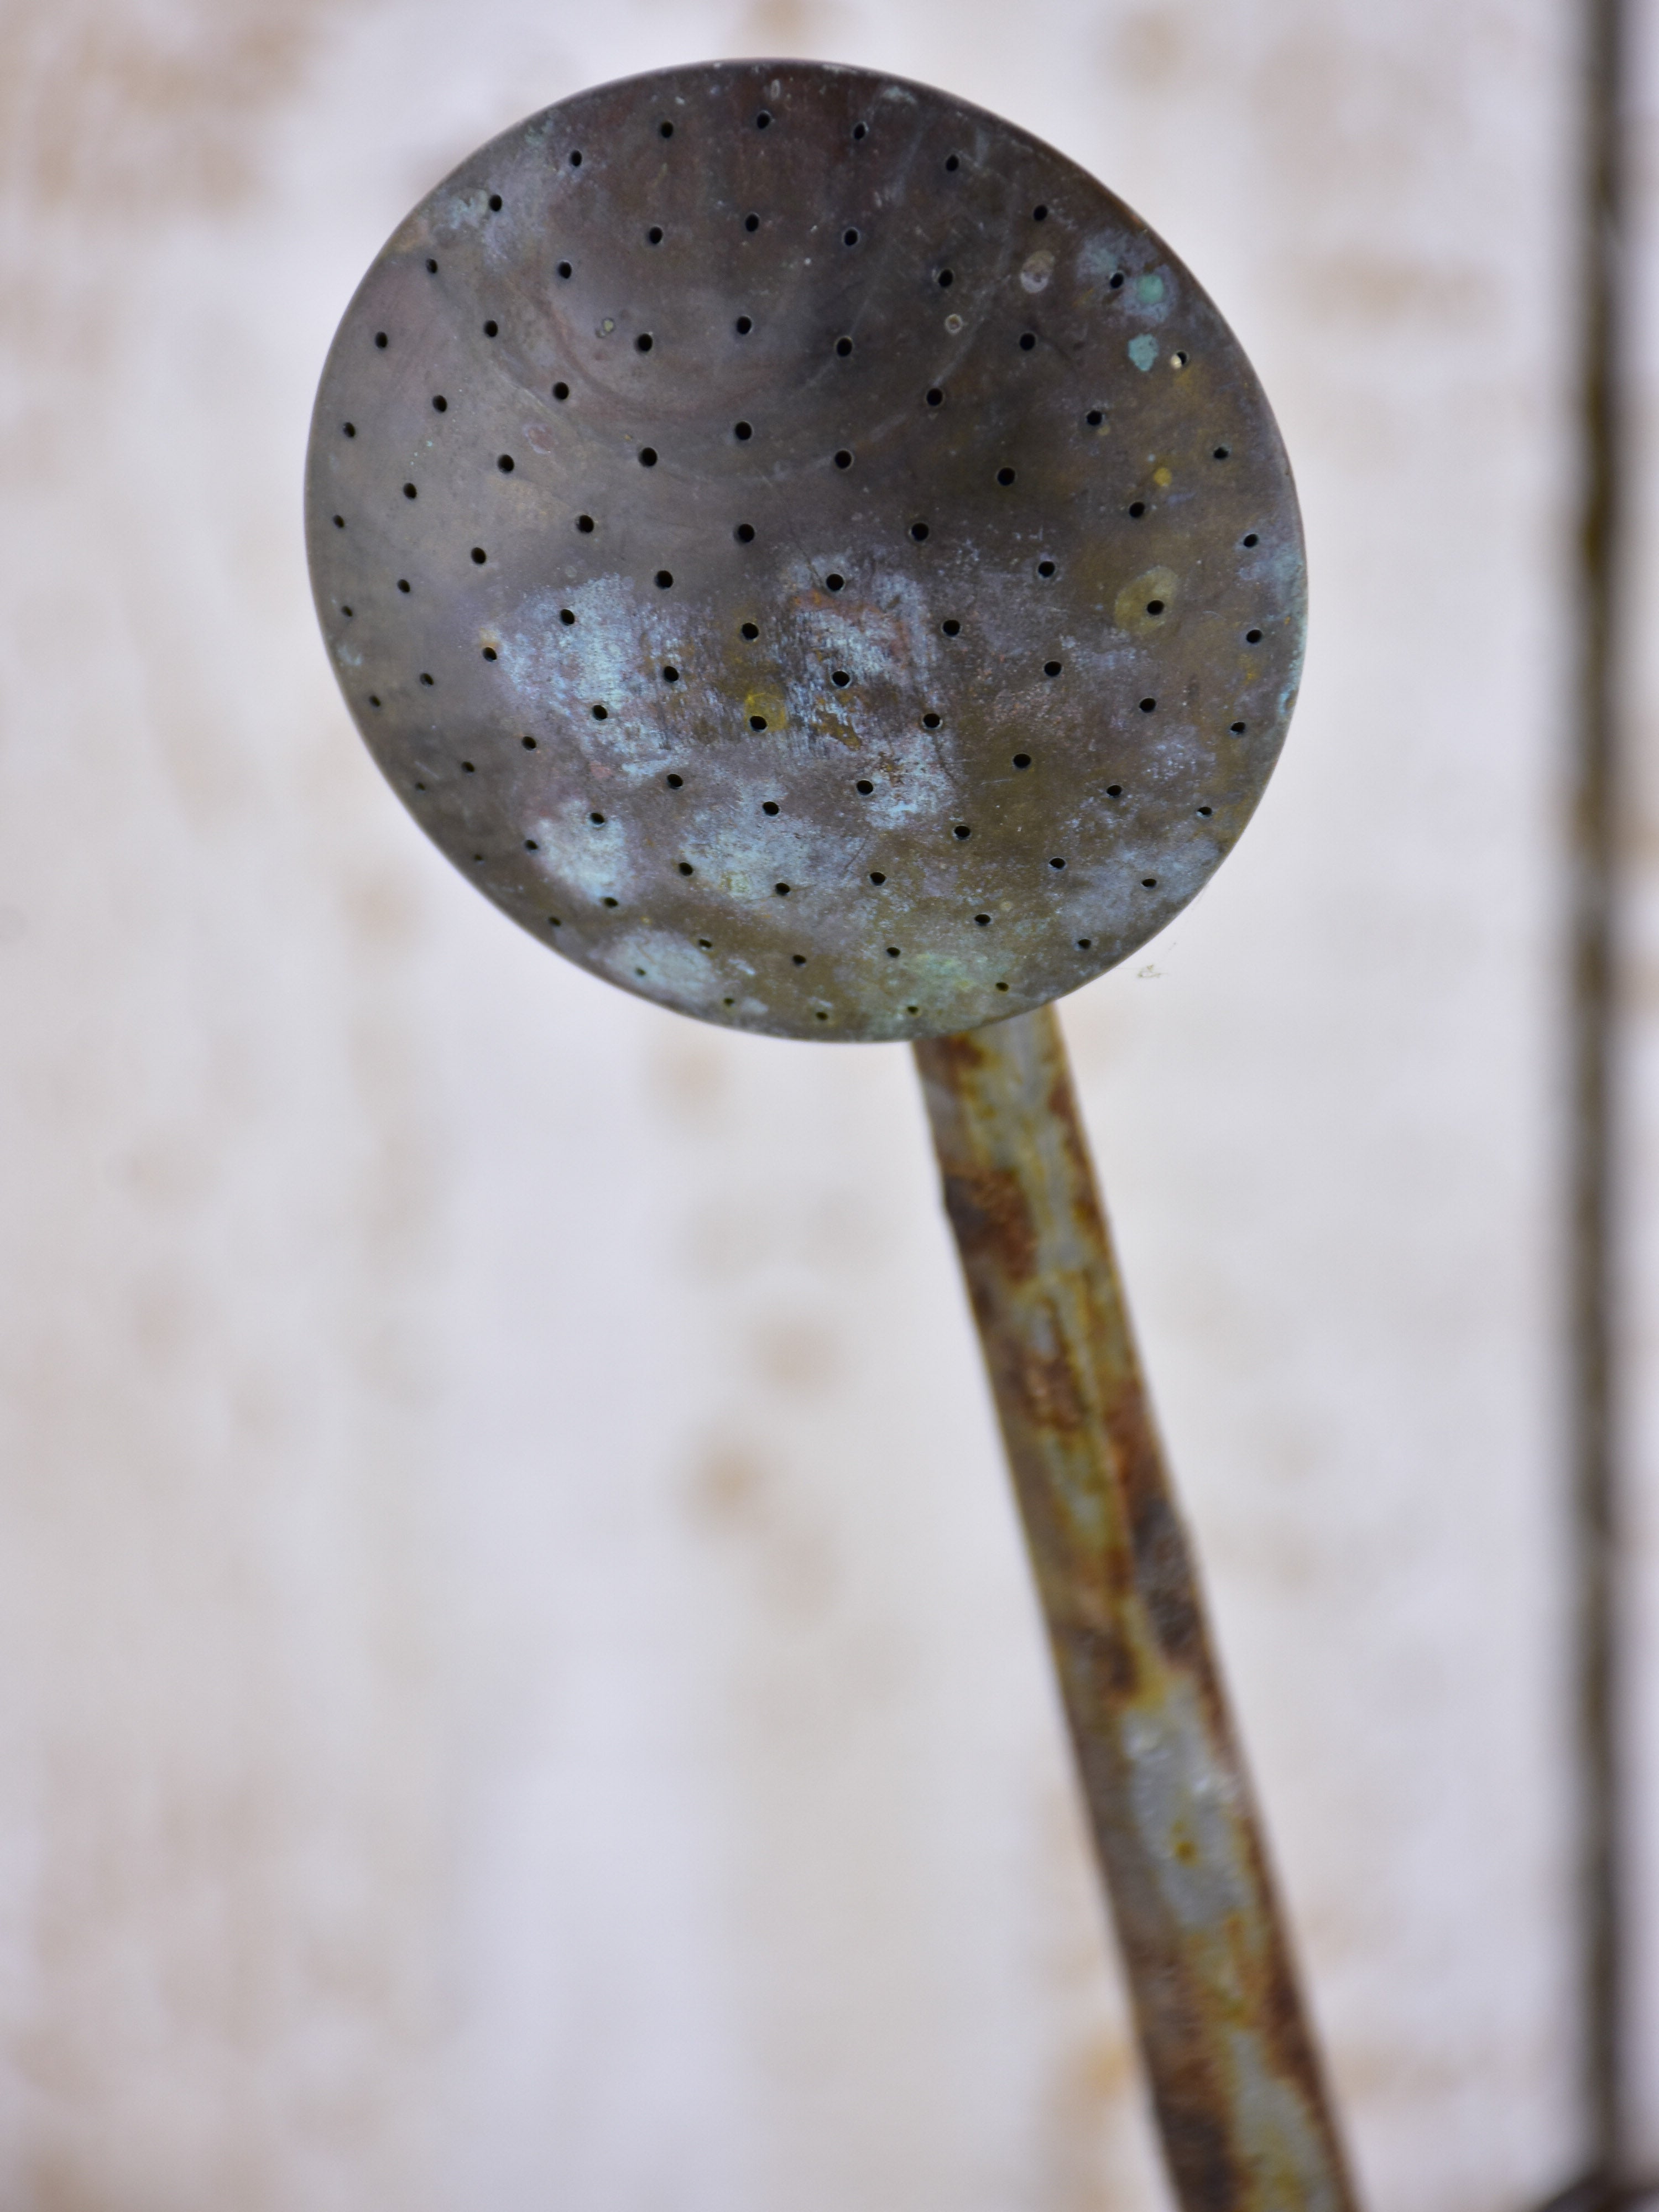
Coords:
pixel 1235 2078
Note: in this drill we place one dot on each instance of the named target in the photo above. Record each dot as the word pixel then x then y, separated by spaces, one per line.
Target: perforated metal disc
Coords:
pixel 805 550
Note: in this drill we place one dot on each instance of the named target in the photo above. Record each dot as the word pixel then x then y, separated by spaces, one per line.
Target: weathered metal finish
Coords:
pixel 813 556
pixel 805 550
pixel 1235 2079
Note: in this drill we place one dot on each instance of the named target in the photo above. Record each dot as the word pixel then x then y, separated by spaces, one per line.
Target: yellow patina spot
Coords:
pixel 1146 601
pixel 766 707
pixel 1162 477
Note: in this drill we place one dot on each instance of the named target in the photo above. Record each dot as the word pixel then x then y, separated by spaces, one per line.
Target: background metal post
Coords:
pixel 1234 2074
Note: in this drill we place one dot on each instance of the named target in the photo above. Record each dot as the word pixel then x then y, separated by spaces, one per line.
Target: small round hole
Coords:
pixel 348 429
pixel 489 652
pixel 686 868
pixel 1206 810
pixel 849 238
pixel 1083 944
pixel 564 269
pixel 504 463
pixel 654 236
pixel 1002 987
pixel 647 457
pixel 768 806
pixel 1137 508
pixel 1095 417
pixel 339 522
pixel 1045 567
pixel 839 678
pixel 894 952
pixel 918 531
pixel 479 554
pixel 1223 453
pixel 1114 791
pixel 913 1010
pixel 495 202
pixel 1149 882
pixel 860 131
pixel 1056 864
pixel 348 612
pixel 665 580
pixel 843 347
pixel 467 768
pixel 1252 637
pixel 402 584
pixel 529 744
pixel 743 325
pixel 1022 760
pixel 961 833
pixel 675 782
pixel 945 279
pixel 562 391
pixel 981 921
pixel 1028 340
pixel 576 163
pixel 763 120
pixel 743 432
pixel 752 222
pixel 1177 359
pixel 567 616
pixel 1154 606
pixel 409 491
pixel 1040 212
pixel 491 329
pixel 671 675
pixel 380 340
pixel 799 960
pixel 843 458
pixel 1249 539
pixel 745 533
pixel 431 267
pixel 758 721
pixel 781 889
pixel 728 1002
pixel 877 877
pixel 930 720
pixel 1238 728
pixel 1004 477
pixel 372 700
pixel 1052 667
pixel 597 819
pixel 750 631
pixel 952 163
pixel 935 397
pixel 1115 282
pixel 644 342
pixel 864 787
pixel 834 583
pixel 1148 705
pixel 951 627
pixel 601 714
pixel 664 130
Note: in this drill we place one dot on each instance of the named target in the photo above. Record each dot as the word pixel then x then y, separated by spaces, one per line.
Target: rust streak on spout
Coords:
pixel 1234 2076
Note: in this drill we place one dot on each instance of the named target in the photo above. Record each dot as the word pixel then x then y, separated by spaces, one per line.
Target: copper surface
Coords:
pixel 805 550
pixel 1235 2078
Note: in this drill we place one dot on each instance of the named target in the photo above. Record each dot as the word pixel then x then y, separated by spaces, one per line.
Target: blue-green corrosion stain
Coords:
pixel 1143 349
pixel 1150 289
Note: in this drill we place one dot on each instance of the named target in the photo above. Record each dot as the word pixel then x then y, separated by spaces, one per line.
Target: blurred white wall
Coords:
pixel 521 1686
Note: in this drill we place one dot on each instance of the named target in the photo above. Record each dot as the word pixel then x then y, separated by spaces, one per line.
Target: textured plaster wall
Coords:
pixel 521 1685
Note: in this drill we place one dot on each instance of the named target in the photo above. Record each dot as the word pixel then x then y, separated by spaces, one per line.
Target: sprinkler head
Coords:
pixel 806 550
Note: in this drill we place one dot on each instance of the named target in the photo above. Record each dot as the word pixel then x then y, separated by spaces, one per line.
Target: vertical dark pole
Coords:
pixel 1594 1020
